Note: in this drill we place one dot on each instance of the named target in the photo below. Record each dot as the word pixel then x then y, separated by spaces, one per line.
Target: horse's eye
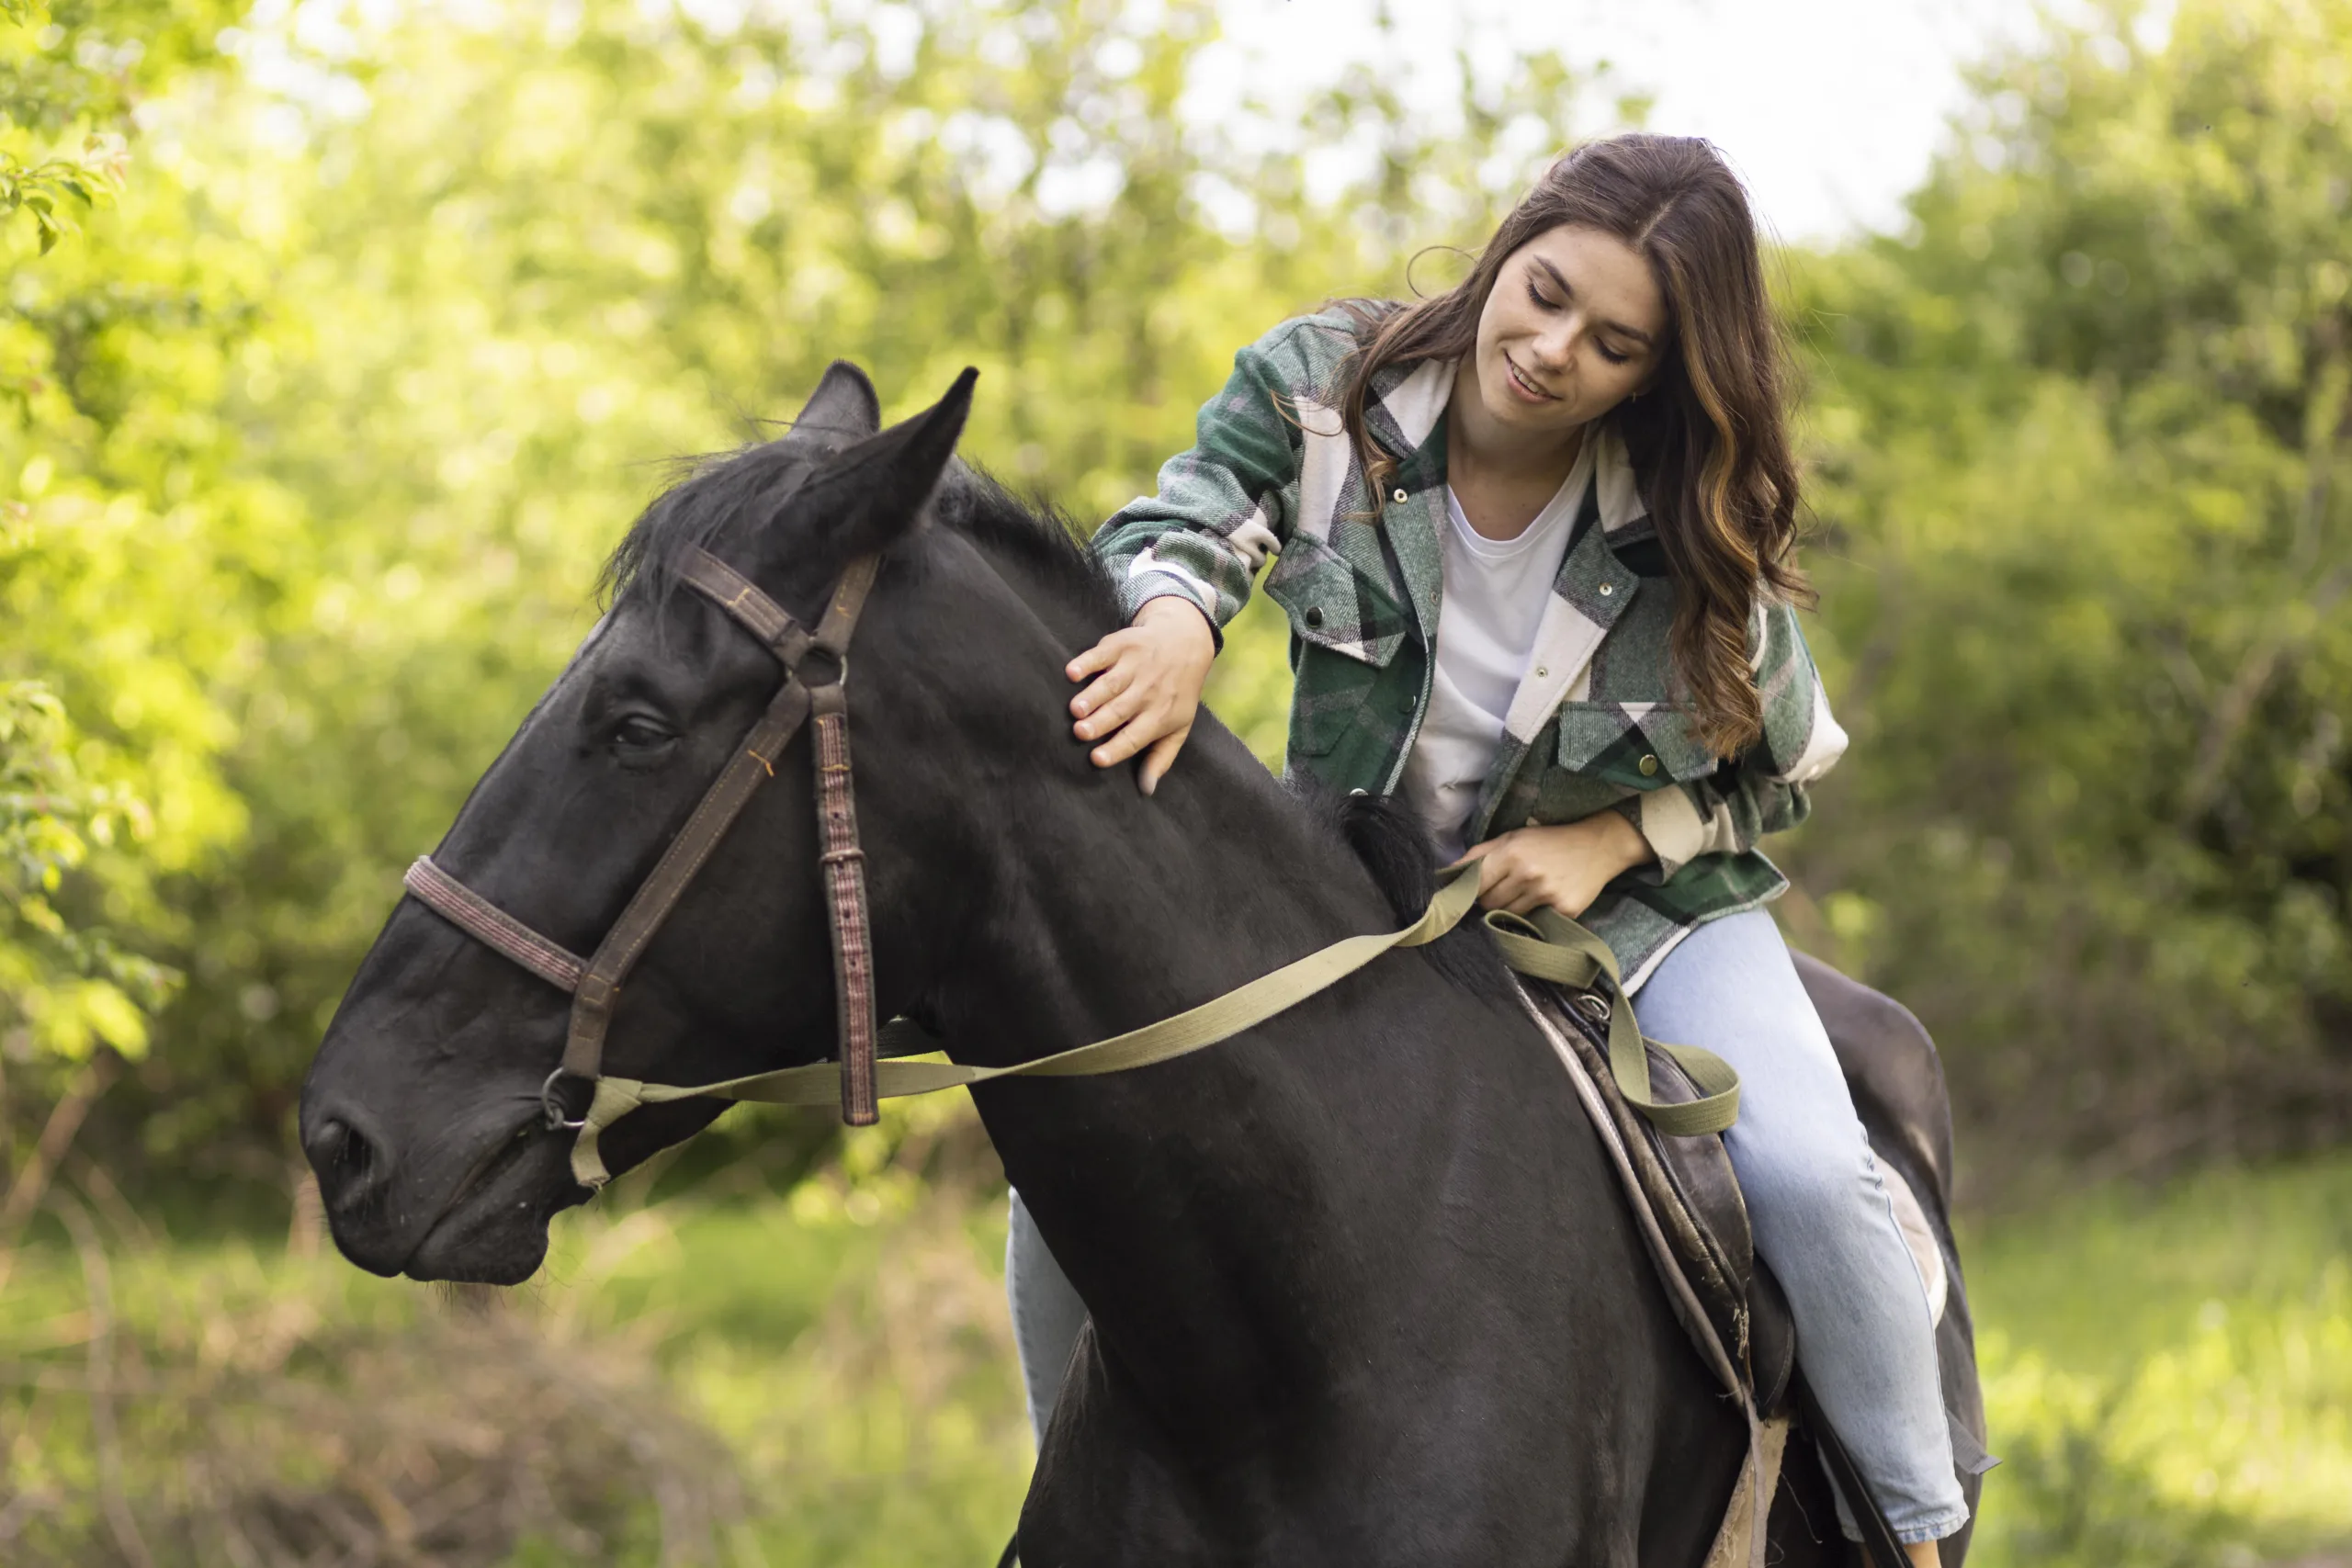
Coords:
pixel 638 733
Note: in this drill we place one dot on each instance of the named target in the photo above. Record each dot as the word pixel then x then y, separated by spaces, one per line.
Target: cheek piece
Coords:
pixel 812 692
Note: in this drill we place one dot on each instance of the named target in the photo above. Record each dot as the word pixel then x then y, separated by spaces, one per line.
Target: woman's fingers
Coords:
pixel 1146 687
pixel 1160 759
pixel 1512 880
pixel 1101 656
pixel 1526 898
pixel 1130 738
pixel 1137 701
pixel 1536 868
pixel 1119 678
pixel 1513 889
pixel 1496 867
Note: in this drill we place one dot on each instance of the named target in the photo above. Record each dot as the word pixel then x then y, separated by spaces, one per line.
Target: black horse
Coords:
pixel 1363 1287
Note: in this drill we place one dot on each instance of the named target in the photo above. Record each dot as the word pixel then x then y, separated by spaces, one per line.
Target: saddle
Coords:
pixel 1726 1297
pixel 1687 1185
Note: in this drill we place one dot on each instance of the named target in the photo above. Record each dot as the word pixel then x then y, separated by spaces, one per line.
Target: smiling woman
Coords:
pixel 1602 292
pixel 1569 331
pixel 1536 542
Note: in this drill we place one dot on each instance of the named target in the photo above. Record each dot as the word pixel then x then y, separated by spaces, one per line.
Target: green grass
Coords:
pixel 828 1379
pixel 854 1352
pixel 2169 1374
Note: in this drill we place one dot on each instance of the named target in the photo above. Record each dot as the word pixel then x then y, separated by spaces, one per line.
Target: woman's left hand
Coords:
pixel 1564 867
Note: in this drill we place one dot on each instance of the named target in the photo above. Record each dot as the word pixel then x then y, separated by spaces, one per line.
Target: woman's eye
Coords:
pixel 638 731
pixel 1536 295
pixel 1611 355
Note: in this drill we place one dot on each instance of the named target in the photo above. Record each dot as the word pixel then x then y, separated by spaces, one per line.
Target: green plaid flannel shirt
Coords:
pixel 1592 726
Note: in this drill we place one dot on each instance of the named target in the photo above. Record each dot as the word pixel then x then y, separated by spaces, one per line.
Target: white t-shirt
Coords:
pixel 1492 605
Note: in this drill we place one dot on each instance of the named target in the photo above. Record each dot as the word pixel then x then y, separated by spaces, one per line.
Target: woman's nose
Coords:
pixel 1556 349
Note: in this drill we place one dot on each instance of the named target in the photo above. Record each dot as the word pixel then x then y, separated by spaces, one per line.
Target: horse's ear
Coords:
pixel 842 410
pixel 868 495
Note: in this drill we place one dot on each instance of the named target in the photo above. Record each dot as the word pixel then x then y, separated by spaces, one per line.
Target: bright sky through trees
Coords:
pixel 1831 108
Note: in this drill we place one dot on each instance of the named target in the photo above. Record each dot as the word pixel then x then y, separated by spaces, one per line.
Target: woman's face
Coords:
pixel 1572 327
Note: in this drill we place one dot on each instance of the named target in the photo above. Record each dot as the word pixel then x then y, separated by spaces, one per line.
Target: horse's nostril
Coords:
pixel 344 1160
pixel 324 1145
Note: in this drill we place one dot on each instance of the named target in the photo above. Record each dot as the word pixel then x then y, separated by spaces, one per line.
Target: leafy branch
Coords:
pixel 67 988
pixel 45 190
pixel 51 189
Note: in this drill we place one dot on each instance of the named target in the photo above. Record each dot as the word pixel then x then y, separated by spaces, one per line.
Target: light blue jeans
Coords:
pixel 1820 1211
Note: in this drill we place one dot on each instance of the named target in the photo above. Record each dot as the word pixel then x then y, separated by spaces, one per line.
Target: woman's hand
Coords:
pixel 1147 687
pixel 1564 867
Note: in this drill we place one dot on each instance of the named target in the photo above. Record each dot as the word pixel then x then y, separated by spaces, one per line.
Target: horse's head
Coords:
pixel 422 1114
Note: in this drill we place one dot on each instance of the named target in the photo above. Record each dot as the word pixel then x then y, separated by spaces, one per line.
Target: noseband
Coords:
pixel 595 983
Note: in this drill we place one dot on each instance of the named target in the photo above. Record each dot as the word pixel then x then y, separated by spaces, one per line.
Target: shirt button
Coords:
pixel 1409 701
pixel 1541 671
pixel 1649 767
pixel 1533 823
pixel 1607 588
pixel 1314 615
pixel 1397 494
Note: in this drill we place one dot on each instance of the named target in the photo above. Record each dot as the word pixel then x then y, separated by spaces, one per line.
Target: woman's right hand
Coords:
pixel 1146 688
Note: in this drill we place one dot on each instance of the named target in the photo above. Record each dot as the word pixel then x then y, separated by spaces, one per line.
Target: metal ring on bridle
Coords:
pixel 839 660
pixel 557 1121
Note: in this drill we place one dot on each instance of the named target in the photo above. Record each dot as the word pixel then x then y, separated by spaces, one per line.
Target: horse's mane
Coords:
pixel 711 493
pixel 1034 531
pixel 1393 844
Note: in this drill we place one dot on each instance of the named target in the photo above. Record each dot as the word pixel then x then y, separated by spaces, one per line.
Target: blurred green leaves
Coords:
pixel 2081 450
pixel 68 989
pixel 88 812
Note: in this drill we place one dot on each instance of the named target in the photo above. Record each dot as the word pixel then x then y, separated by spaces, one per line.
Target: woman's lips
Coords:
pixel 1527 388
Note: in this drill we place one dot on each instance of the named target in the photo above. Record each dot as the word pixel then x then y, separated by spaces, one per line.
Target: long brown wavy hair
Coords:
pixel 1707 437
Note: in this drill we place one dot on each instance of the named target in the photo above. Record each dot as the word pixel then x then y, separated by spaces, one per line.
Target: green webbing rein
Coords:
pixel 1550 947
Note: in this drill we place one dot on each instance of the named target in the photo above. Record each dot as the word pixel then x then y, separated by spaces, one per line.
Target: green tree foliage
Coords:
pixel 2081 439
pixel 104 743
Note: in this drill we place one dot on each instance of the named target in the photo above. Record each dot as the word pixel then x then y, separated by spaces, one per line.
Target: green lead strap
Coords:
pixel 1553 947
pixel 1564 951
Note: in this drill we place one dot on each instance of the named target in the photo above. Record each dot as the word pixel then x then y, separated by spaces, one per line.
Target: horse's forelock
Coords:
pixel 714 496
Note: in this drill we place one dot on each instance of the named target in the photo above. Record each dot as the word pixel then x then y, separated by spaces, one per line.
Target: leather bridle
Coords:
pixel 595 982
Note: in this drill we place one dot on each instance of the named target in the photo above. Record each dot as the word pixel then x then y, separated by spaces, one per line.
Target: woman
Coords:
pixel 1534 538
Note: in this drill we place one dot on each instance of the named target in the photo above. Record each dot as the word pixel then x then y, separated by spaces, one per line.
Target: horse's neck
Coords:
pixel 1183 1200
pixel 1109 911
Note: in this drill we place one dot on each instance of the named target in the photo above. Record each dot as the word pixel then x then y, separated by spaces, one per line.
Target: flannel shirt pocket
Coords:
pixel 1327 700
pixel 1638 745
pixel 1333 605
